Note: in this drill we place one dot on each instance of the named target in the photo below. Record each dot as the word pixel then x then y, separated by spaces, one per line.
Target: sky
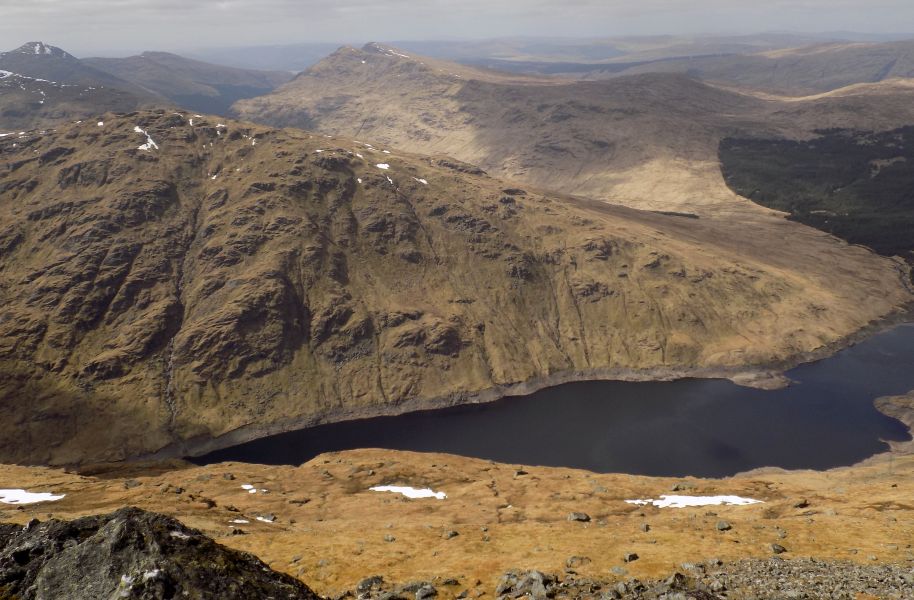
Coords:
pixel 109 26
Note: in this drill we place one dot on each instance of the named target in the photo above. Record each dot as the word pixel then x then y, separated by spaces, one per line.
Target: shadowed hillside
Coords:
pixel 191 84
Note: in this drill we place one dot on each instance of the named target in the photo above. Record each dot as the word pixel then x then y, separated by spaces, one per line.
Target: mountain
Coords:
pixel 170 283
pixel 795 71
pixel 41 85
pixel 41 61
pixel 188 83
pixel 648 141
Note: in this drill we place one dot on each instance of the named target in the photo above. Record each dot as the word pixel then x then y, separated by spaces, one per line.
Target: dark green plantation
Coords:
pixel 856 185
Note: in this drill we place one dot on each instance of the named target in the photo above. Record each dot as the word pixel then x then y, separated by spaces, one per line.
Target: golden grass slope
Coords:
pixel 332 532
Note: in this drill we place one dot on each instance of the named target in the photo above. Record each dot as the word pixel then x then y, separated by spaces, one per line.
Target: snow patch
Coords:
pixel 422 181
pixel 150 144
pixel 24 497
pixel 101 123
pixel 691 501
pixel 383 166
pixel 240 521
pixel 179 535
pixel 151 574
pixel 410 492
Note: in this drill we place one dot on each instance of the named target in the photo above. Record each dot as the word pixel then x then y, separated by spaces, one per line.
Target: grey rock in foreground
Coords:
pixel 131 553
pixel 749 579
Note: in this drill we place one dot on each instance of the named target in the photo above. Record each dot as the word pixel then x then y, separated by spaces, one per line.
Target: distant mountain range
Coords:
pixel 791 71
pixel 41 85
pixel 191 84
pixel 648 140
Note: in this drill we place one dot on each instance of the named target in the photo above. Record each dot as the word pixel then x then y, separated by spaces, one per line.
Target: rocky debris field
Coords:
pixel 131 553
pixel 750 579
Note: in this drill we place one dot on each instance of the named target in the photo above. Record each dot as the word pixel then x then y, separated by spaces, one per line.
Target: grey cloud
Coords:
pixel 87 26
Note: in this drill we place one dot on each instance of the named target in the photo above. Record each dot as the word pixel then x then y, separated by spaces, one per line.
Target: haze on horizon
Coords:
pixel 111 26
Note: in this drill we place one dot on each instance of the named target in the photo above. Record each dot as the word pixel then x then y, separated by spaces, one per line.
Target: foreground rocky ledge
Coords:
pixel 131 554
pixel 136 554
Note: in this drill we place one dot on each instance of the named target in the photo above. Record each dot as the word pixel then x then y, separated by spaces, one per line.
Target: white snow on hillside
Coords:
pixel 24 497
pixel 410 492
pixel 692 501
pixel 150 144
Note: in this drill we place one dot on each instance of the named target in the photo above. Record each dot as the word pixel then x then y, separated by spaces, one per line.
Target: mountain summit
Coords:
pixel 42 49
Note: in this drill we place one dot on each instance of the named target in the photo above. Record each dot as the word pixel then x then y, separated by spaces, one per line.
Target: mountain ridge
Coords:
pixel 169 279
pixel 195 85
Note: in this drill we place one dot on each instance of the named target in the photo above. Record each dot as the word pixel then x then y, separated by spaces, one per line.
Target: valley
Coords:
pixel 137 265
pixel 622 317
pixel 824 417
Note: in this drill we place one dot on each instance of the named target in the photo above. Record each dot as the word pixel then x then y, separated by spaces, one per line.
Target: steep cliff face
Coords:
pixel 166 280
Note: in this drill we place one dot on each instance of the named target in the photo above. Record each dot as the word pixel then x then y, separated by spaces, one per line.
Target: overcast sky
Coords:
pixel 92 26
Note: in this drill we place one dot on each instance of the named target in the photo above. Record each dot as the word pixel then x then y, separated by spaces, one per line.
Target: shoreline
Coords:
pixel 768 376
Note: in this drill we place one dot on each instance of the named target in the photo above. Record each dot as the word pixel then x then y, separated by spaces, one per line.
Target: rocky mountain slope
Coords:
pixel 648 141
pixel 191 84
pixel 172 282
pixel 131 554
pixel 42 85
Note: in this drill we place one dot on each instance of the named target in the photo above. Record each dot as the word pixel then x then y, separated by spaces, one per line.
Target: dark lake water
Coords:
pixel 707 428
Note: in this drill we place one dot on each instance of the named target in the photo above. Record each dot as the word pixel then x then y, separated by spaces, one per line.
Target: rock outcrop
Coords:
pixel 131 553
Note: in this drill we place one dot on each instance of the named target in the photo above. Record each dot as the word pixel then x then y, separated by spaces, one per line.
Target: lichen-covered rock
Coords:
pixel 131 553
